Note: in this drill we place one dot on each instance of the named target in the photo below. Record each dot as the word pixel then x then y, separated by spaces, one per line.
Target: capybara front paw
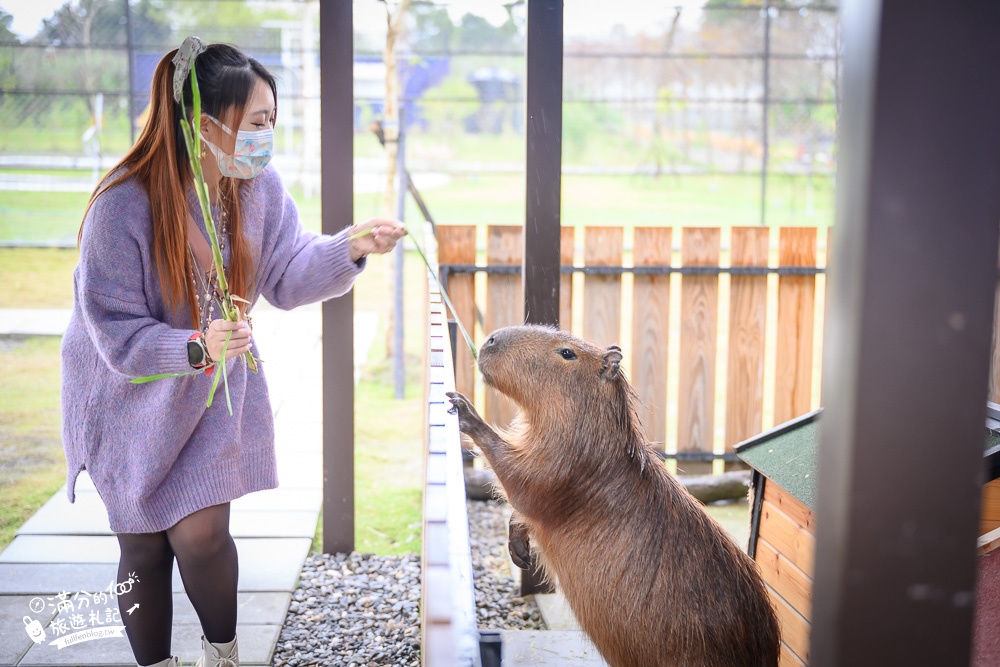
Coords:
pixel 520 551
pixel 518 542
pixel 468 418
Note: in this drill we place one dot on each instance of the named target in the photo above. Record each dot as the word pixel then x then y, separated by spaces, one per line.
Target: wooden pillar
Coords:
pixel 543 163
pixel 336 39
pixel 543 180
pixel 908 335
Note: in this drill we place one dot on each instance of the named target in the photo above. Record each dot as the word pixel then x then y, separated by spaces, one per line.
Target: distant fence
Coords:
pixel 746 297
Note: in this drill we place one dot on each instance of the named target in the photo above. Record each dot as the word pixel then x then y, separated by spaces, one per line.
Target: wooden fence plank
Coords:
pixel 989 515
pixel 504 305
pixel 699 315
pixel 795 630
pixel 457 245
pixel 790 582
pixel 794 542
pixel 747 318
pixel 602 295
pixel 796 314
pixel 826 301
pixel 791 506
pixel 650 330
pixel 566 248
pixel 788 659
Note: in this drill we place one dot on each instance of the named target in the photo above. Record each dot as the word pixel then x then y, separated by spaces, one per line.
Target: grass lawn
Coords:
pixel 41 216
pixel 492 198
pixel 32 466
pixel 37 277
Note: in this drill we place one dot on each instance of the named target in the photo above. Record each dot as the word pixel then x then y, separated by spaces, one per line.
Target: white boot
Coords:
pixel 219 655
pixel 169 662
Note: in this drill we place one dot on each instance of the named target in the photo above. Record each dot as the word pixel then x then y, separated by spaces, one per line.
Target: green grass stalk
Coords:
pixel 444 293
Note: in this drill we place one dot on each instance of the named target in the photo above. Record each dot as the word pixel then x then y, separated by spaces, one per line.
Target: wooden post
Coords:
pixel 337 147
pixel 747 316
pixel 651 330
pixel 796 317
pixel 457 245
pixel 908 335
pixel 699 327
pixel 504 305
pixel 602 294
pixel 543 177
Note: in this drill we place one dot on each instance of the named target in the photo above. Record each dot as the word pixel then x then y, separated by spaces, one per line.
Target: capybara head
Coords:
pixel 556 377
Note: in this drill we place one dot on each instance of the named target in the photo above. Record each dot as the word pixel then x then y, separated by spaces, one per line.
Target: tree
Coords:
pixel 395 23
pixel 87 23
pixel 477 34
pixel 7 36
pixel 430 26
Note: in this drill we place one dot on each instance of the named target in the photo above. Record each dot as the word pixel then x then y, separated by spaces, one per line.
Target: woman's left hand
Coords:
pixel 382 239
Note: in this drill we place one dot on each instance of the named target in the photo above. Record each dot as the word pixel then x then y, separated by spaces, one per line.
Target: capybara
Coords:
pixel 651 578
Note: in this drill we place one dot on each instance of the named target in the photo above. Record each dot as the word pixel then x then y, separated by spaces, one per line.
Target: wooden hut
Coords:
pixel 783 531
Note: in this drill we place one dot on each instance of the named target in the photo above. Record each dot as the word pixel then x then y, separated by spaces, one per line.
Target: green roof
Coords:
pixel 787 453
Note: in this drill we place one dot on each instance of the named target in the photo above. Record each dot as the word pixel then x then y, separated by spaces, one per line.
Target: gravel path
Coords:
pixel 498 598
pixel 352 610
pixel 361 610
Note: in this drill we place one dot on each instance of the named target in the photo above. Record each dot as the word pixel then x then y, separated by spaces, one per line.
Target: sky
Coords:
pixel 28 14
pixel 580 17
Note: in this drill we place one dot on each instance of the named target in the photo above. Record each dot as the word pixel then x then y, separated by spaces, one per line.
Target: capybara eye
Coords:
pixel 491 340
pixel 567 353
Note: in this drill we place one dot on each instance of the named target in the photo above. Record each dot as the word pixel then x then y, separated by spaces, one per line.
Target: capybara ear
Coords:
pixel 611 362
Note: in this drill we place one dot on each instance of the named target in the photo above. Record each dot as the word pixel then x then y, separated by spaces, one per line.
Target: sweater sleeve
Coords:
pixel 299 266
pixel 110 288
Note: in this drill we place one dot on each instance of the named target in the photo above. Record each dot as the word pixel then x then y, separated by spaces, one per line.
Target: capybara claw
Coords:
pixel 468 418
pixel 519 543
pixel 520 553
pixel 456 399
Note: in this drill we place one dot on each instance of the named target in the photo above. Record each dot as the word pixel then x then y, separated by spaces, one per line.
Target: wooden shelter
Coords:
pixel 783 531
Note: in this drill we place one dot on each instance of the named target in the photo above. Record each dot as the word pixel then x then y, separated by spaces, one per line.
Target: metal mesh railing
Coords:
pixel 729 103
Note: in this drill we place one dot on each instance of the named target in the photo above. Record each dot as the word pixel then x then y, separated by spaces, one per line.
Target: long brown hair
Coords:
pixel 159 161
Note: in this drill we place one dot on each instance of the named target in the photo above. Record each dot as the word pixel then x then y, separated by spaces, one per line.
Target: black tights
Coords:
pixel 206 558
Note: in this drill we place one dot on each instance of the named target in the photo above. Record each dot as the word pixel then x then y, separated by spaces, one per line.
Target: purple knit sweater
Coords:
pixel 154 452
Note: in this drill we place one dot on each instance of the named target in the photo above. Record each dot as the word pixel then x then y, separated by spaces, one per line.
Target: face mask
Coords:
pixel 250 155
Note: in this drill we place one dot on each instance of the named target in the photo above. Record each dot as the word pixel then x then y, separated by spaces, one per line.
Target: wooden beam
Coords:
pixel 543 163
pixel 336 39
pixel 908 335
pixel 543 181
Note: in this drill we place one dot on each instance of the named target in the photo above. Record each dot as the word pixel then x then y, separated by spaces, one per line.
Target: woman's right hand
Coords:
pixel 239 342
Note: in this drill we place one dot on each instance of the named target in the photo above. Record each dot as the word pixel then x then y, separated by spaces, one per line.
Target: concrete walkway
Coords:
pixel 64 556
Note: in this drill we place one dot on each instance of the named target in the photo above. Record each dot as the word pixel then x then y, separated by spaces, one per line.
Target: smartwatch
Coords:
pixel 197 351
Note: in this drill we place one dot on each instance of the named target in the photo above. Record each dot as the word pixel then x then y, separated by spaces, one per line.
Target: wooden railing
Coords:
pixel 448 608
pixel 721 335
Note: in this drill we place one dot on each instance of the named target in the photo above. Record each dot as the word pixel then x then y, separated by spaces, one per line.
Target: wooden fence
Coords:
pixel 719 327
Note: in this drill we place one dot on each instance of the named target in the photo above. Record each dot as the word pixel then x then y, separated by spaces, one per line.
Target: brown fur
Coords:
pixel 651 578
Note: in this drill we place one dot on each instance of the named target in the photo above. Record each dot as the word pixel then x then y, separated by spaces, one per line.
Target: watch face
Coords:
pixel 196 354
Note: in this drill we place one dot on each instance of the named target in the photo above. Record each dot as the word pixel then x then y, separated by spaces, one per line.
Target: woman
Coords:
pixel 165 466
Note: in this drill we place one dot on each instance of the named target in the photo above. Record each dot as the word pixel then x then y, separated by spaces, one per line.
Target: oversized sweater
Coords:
pixel 154 451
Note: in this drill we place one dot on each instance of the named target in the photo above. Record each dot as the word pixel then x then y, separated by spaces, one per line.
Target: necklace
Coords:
pixel 206 284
